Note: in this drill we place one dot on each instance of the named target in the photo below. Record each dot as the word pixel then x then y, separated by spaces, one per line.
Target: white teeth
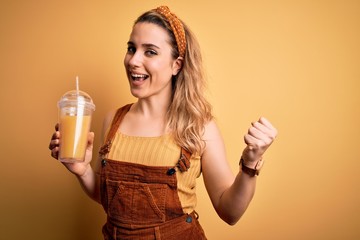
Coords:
pixel 138 76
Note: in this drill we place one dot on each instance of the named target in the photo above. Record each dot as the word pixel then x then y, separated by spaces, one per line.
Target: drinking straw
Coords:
pixel 77 85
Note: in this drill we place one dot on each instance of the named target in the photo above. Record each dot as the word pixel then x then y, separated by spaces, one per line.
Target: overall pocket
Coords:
pixel 136 202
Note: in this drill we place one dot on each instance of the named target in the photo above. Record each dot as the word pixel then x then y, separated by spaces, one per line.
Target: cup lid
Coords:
pixel 76 98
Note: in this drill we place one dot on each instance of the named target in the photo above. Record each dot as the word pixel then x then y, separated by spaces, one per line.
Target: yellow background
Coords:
pixel 295 62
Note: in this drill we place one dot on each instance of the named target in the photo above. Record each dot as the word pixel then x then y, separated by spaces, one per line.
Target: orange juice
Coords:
pixel 73 137
pixel 75 111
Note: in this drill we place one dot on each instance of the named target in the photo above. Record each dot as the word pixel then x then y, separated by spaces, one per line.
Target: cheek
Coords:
pixel 161 67
pixel 126 60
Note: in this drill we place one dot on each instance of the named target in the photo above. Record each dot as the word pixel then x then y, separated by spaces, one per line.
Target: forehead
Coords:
pixel 149 33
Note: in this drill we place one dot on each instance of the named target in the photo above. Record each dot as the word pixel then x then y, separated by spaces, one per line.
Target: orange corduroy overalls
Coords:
pixel 142 201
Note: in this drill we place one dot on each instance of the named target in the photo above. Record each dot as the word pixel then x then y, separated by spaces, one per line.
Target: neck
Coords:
pixel 151 108
pixel 145 118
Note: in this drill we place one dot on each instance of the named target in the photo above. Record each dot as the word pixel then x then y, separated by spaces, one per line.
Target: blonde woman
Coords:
pixel 156 148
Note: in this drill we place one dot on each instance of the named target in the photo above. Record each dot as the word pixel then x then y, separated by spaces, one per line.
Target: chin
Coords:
pixel 136 94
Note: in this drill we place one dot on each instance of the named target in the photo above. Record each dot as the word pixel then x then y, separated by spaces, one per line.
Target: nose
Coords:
pixel 135 59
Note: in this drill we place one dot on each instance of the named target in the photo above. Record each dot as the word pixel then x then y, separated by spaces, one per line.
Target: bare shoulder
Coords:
pixel 212 131
pixel 107 122
pixel 108 118
pixel 214 142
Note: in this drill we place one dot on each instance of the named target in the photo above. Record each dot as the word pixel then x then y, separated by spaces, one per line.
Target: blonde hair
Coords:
pixel 189 110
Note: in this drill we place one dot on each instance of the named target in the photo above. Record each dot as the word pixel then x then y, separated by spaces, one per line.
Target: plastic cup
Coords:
pixel 75 113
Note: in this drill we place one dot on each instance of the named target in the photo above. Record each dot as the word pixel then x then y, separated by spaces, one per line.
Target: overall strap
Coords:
pixel 184 161
pixel 119 115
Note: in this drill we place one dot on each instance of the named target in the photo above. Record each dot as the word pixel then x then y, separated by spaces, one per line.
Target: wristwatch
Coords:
pixel 250 171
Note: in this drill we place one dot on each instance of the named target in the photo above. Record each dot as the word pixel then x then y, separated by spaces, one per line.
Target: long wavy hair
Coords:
pixel 189 110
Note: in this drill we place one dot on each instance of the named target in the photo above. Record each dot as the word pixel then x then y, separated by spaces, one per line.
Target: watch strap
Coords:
pixel 250 171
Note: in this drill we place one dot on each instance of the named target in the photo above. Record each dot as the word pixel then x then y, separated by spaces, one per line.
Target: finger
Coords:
pixel 256 133
pixel 54 140
pixel 251 141
pixel 257 143
pixel 56 135
pixel 91 136
pixel 57 127
pixel 267 124
pixel 248 141
pixel 262 129
pixel 90 143
pixel 55 152
pixel 54 143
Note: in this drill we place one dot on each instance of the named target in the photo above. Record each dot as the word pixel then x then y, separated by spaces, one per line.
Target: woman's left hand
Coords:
pixel 259 137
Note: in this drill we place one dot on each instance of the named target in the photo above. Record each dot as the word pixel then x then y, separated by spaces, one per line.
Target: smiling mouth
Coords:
pixel 138 77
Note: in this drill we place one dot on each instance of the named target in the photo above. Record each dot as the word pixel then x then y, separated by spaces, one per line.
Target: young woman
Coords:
pixel 155 148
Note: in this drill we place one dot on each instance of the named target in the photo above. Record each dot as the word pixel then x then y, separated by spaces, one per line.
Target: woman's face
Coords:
pixel 148 62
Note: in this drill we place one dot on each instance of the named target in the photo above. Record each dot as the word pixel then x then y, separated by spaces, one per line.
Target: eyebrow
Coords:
pixel 146 45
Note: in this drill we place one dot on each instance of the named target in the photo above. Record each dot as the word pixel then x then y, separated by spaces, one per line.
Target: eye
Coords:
pixel 131 49
pixel 150 52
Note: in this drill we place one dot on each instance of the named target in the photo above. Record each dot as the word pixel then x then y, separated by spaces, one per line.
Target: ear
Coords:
pixel 177 65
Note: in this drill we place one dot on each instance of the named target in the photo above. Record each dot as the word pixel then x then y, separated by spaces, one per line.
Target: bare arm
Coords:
pixel 231 195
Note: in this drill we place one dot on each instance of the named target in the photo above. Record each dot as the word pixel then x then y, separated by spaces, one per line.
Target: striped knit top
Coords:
pixel 159 151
